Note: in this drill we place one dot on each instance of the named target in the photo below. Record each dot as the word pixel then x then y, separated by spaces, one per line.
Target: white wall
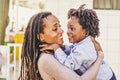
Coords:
pixel 110 37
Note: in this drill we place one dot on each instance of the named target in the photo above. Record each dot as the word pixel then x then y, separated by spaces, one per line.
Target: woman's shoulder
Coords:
pixel 44 62
pixel 43 65
pixel 44 58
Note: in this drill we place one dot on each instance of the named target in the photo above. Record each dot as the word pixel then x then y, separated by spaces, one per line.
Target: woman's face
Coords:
pixel 75 31
pixel 52 30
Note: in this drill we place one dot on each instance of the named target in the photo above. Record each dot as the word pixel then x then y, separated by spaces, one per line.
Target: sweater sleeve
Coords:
pixel 72 61
pixel 68 49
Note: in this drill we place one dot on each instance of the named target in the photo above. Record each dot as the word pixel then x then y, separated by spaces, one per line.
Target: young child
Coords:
pixel 82 24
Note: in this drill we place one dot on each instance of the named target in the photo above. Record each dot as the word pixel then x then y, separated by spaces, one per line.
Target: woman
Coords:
pixel 44 28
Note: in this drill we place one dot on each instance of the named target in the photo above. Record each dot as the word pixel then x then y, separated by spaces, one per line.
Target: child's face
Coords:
pixel 75 31
pixel 52 30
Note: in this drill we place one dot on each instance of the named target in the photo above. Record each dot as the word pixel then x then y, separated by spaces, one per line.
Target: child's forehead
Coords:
pixel 73 19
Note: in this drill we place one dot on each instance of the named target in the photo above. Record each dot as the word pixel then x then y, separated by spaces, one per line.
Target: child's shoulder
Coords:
pixel 86 47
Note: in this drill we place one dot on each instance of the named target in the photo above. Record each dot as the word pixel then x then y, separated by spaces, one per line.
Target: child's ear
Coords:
pixel 40 37
pixel 85 33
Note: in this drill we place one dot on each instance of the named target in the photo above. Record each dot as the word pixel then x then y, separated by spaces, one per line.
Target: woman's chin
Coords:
pixel 61 42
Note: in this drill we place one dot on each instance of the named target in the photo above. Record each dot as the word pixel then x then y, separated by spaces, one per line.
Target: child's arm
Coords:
pixel 73 61
pixel 58 52
pixel 67 49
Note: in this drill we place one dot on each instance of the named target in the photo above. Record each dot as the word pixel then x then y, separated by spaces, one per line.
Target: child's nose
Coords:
pixel 68 31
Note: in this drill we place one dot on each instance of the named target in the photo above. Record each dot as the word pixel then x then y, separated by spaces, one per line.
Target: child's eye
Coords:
pixel 72 29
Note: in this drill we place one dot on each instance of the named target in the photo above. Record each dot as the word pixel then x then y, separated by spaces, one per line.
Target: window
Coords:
pixel 106 4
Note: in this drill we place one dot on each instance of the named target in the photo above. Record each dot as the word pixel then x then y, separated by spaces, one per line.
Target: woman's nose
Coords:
pixel 61 30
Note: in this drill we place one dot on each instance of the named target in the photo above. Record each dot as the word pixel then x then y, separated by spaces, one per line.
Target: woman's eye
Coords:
pixel 55 29
pixel 59 25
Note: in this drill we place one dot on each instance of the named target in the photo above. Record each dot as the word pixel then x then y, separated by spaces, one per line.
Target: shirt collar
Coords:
pixel 83 41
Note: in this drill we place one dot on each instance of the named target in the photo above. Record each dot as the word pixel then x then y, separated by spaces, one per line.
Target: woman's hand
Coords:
pixel 98 48
pixel 96 44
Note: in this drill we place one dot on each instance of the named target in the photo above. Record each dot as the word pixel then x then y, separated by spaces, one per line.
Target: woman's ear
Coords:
pixel 40 37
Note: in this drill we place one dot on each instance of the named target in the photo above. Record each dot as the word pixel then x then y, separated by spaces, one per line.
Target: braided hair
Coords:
pixel 87 18
pixel 30 49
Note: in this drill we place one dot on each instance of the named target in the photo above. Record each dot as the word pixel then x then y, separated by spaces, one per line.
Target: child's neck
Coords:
pixel 81 39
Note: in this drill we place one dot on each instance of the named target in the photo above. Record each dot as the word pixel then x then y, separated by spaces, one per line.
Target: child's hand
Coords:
pixel 49 47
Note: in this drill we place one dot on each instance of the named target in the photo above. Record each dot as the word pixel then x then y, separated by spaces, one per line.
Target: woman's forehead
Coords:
pixel 51 19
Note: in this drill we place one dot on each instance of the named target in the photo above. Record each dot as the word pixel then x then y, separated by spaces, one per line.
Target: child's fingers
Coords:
pixel 43 45
pixel 42 49
pixel 46 48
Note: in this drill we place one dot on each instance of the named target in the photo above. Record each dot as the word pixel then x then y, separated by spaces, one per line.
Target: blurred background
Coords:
pixel 15 14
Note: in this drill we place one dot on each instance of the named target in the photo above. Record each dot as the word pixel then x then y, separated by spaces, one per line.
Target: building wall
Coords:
pixel 110 37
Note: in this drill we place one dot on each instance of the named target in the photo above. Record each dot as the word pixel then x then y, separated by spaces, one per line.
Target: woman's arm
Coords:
pixel 95 67
pixel 56 70
pixel 92 72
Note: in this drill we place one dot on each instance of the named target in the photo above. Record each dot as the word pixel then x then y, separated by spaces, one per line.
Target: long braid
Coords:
pixel 30 50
